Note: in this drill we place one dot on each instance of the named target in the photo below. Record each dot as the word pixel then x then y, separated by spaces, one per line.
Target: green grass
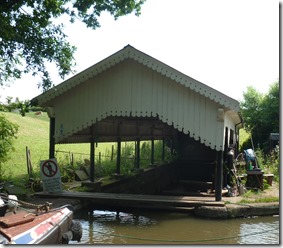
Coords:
pixel 243 136
pixel 34 134
pixel 36 139
pixel 260 200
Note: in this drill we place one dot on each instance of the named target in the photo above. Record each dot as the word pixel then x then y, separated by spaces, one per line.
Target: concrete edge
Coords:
pixel 236 210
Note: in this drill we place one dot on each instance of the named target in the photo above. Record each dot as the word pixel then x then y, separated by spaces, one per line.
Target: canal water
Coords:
pixel 156 228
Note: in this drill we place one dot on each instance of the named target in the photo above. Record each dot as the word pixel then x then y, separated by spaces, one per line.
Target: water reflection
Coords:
pixel 121 218
pixel 260 233
pixel 149 227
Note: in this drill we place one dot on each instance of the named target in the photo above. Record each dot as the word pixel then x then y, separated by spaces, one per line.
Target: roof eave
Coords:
pixel 130 52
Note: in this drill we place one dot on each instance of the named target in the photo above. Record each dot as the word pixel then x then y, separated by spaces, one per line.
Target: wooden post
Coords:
pixel 29 163
pixel 72 160
pixel 163 149
pixel 118 162
pixel 92 160
pixel 51 138
pixel 99 158
pixel 138 154
pixel 112 152
pixel 152 151
pixel 137 150
pixel 219 176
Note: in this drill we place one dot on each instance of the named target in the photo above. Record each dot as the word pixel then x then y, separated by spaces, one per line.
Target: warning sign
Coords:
pixel 49 168
pixel 50 175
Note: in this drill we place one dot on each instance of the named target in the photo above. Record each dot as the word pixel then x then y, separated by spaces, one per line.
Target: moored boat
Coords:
pixel 48 226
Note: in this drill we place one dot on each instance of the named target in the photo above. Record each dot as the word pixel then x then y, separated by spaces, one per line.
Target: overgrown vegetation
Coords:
pixel 33 133
pixel 105 161
pixel 269 163
pixel 261 116
pixel 8 131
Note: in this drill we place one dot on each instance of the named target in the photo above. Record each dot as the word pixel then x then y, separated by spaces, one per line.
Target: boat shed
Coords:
pixel 131 96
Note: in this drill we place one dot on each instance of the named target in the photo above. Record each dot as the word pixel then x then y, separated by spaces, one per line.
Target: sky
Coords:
pixel 227 45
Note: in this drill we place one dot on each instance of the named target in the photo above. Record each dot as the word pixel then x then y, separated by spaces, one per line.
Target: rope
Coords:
pixel 3 196
pixel 187 241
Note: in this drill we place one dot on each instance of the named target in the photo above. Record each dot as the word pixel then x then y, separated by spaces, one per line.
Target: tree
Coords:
pixel 270 108
pixel 251 108
pixel 261 113
pixel 24 107
pixel 8 131
pixel 29 38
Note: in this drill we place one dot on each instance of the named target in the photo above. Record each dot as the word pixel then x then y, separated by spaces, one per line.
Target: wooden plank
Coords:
pixel 29 163
pixel 81 174
pixel 17 219
pixel 135 200
pixel 195 183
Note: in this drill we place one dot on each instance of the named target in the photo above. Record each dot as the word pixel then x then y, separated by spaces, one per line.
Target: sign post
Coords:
pixel 50 176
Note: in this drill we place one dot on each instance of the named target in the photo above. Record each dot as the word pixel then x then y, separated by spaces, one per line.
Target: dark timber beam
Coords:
pixel 118 162
pixel 51 138
pixel 92 152
pixel 163 149
pixel 219 176
pixel 152 151
pixel 92 160
pixel 138 153
pixel 152 146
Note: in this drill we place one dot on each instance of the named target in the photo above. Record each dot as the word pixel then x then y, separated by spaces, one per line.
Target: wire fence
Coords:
pixel 128 153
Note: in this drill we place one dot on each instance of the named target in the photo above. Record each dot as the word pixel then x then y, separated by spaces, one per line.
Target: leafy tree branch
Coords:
pixel 29 38
pixel 261 113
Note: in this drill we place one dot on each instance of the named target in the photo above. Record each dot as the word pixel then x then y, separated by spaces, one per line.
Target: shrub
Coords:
pixel 269 163
pixel 272 163
pixel 8 131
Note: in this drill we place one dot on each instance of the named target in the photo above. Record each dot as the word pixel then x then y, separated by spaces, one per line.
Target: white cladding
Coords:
pixel 129 89
pixel 130 83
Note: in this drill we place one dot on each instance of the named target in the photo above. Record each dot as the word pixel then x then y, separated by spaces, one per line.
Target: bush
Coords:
pixel 8 131
pixel 272 163
pixel 3 108
pixel 269 163
pixel 36 109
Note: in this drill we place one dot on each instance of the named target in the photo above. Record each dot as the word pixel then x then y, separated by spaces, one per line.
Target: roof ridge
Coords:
pixel 129 52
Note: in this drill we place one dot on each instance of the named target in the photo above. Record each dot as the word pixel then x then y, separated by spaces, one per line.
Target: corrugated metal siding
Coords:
pixel 142 92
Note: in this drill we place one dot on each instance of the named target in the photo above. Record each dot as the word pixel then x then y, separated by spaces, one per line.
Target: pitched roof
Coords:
pixel 129 52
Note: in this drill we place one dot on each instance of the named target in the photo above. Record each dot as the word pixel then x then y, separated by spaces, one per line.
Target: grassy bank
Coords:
pixel 34 134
